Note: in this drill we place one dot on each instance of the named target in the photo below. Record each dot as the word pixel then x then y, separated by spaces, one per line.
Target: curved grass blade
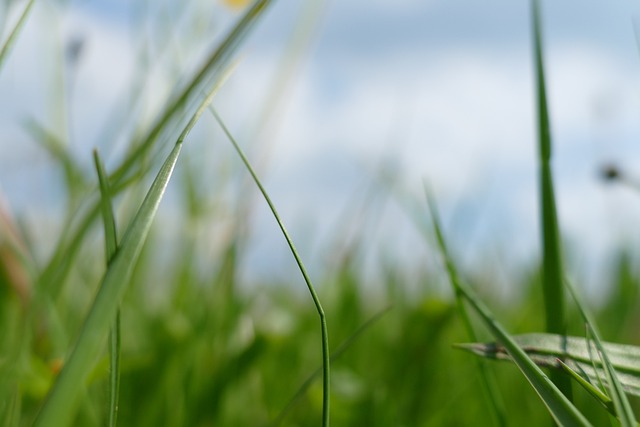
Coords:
pixel 620 400
pixel 559 406
pixel 60 404
pixel 111 245
pixel 554 351
pixel 487 379
pixel 13 35
pixel 552 273
pixel 344 345
pixel 326 361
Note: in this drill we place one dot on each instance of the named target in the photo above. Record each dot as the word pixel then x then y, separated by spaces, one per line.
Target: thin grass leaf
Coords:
pixel 60 404
pixel 559 406
pixel 487 379
pixel 620 400
pixel 111 245
pixel 552 272
pixel 344 345
pixel 13 35
pixel 326 361
pixel 547 349
pixel 597 393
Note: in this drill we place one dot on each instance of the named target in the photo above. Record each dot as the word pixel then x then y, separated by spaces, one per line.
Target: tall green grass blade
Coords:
pixel 13 35
pixel 552 273
pixel 487 379
pixel 111 245
pixel 60 404
pixel 344 345
pixel 552 263
pixel 326 361
pixel 560 408
pixel 620 400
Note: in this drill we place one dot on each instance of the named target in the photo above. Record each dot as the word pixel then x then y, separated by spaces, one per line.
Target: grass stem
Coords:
pixel 326 359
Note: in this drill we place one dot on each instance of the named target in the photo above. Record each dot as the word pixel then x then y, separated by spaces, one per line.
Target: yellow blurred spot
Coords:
pixel 56 366
pixel 236 4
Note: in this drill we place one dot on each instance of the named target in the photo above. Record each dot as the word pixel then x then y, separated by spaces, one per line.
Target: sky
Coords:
pixel 442 91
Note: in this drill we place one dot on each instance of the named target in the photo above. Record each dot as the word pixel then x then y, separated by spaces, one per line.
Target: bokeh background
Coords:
pixel 436 91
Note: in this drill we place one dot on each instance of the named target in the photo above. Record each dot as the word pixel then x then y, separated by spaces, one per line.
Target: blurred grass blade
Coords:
pixel 60 405
pixel 487 378
pixel 73 174
pixel 344 345
pixel 106 206
pixel 326 361
pixel 552 260
pixel 13 35
pixel 111 245
pixel 592 389
pixel 184 102
pixel 546 350
pixel 620 400
pixel 552 274
pixel 559 406
pixel 182 105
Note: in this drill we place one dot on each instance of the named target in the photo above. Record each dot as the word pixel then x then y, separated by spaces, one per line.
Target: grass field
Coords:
pixel 120 325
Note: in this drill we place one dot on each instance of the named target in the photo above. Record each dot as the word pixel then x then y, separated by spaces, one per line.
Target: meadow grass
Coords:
pixel 156 333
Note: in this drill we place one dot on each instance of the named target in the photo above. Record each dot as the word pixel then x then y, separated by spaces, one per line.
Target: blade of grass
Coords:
pixel 552 273
pixel 59 406
pixel 344 345
pixel 111 245
pixel 323 322
pixel 487 379
pixel 620 400
pixel 13 35
pixel 593 390
pixel 560 408
pixel 547 349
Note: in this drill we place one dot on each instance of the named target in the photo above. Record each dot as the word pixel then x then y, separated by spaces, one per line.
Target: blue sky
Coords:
pixel 444 87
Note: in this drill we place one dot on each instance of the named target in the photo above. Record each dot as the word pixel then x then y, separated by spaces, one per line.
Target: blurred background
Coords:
pixel 331 93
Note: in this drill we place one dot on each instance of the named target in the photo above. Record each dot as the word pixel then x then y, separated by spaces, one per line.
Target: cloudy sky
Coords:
pixel 442 89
